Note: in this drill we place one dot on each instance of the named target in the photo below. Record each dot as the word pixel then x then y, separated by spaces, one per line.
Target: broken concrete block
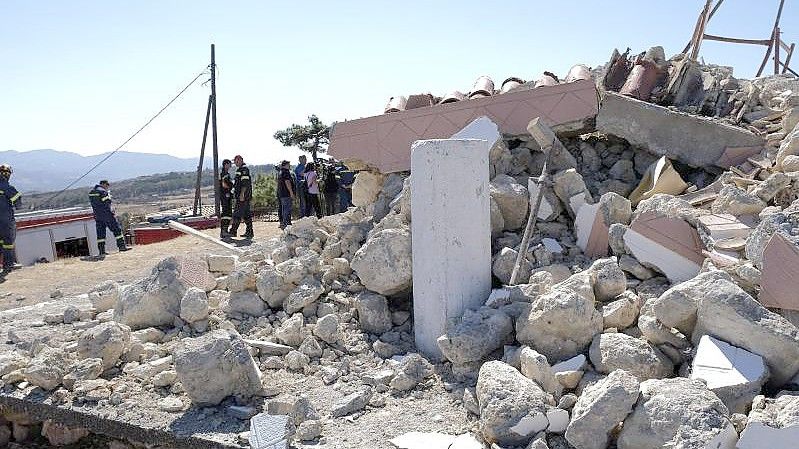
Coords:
pixel 450 277
pixel 475 335
pixel 660 177
pixel 772 423
pixel 383 263
pixel 536 367
pixel 593 222
pixel 511 197
pixel 734 374
pixel 570 188
pixel 215 366
pixel 728 313
pixel 621 313
pixel 780 274
pixel 560 324
pixel 366 187
pixel 669 245
pixel 550 207
pixel 789 146
pixel 351 403
pixel 154 300
pixel 512 407
pixel 270 431
pixel 663 131
pixel 106 341
pixel 600 408
pixel 637 356
pixel 221 264
pixel 677 412
pixel 724 226
pixel 736 201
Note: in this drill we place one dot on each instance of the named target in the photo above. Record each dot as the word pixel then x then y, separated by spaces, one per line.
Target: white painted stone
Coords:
pixel 575 363
pixel 734 374
pixel 558 420
pixel 576 202
pixel 465 441
pixel 584 223
pixel 676 267
pixel 758 435
pixel 530 425
pixel 423 440
pixel 451 234
pixel 552 245
pixel 546 211
pixel 498 296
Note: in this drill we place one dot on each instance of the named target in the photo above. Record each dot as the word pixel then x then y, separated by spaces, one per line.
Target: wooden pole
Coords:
pixel 710 16
pixel 774 38
pixel 191 231
pixel 776 50
pixel 700 33
pixel 788 59
pixel 197 201
pixel 217 193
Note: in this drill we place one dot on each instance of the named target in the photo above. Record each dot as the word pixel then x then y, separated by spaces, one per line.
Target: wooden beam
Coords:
pixel 733 40
pixel 710 16
pixel 768 53
pixel 776 50
pixel 788 59
pixel 700 32
pixel 191 231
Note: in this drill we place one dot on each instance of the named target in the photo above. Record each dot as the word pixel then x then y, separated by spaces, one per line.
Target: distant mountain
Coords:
pixel 49 170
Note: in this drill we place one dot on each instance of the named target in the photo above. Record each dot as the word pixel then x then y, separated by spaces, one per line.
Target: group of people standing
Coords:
pixel 305 185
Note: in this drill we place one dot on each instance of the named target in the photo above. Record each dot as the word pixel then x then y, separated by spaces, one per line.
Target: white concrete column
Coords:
pixel 451 233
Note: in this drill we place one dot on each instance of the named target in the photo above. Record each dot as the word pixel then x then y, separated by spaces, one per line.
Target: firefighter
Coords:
pixel 242 186
pixel 100 198
pixel 225 188
pixel 10 199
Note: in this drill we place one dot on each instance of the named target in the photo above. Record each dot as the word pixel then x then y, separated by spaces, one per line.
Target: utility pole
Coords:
pixel 213 130
pixel 197 197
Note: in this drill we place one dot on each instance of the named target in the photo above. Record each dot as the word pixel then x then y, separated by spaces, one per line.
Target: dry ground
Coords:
pixel 35 284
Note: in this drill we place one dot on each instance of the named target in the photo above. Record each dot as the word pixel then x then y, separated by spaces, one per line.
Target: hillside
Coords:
pixel 50 170
pixel 142 189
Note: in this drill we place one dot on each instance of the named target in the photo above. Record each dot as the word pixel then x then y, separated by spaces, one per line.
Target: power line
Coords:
pixel 108 156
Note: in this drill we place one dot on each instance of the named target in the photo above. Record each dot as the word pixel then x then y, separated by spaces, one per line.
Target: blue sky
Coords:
pixel 82 75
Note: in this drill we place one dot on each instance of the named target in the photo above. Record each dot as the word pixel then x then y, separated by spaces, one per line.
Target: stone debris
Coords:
pixel 654 305
pixel 734 374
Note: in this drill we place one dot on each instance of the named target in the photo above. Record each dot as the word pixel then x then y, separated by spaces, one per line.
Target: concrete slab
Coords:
pixel 384 141
pixel 724 226
pixel 696 141
pixel 734 374
pixel 550 208
pixel 670 245
pixel 772 424
pixel 592 231
pixel 269 431
pixel 451 232
pixel 780 274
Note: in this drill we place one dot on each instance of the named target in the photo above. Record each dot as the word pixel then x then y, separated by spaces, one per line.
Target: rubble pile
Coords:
pixel 655 307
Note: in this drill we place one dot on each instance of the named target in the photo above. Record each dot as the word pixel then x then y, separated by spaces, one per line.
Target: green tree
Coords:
pixel 312 138
pixel 264 192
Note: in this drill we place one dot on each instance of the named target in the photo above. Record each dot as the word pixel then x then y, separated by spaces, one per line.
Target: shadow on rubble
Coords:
pixel 207 421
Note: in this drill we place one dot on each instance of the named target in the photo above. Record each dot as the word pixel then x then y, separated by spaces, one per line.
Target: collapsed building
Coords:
pixel 654 305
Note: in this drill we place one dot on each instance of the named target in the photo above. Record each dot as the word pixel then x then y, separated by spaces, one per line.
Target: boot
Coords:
pixel 101 247
pixel 234 227
pixel 248 232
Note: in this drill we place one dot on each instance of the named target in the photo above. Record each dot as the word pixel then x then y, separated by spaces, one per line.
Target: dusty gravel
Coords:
pixel 32 285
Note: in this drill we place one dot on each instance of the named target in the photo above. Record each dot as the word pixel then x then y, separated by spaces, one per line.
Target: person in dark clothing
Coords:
pixel 312 189
pixel 346 179
pixel 330 188
pixel 277 191
pixel 285 191
pixel 225 191
pixel 242 185
pixel 104 217
pixel 299 186
pixel 10 199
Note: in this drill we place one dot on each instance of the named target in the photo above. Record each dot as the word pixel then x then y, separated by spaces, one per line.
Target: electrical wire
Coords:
pixel 108 156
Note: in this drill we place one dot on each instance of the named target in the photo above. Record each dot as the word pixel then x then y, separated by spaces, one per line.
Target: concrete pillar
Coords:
pixel 451 232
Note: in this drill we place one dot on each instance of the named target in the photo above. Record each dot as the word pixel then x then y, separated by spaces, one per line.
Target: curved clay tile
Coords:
pixel 452 97
pixel 482 87
pixel 578 72
pixel 510 83
pixel 396 104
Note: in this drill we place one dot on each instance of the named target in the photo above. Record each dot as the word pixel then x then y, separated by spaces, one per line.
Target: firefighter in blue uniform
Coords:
pixel 242 186
pixel 104 217
pixel 225 189
pixel 10 199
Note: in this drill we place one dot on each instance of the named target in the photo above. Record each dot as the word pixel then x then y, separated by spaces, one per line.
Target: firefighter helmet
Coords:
pixel 5 170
